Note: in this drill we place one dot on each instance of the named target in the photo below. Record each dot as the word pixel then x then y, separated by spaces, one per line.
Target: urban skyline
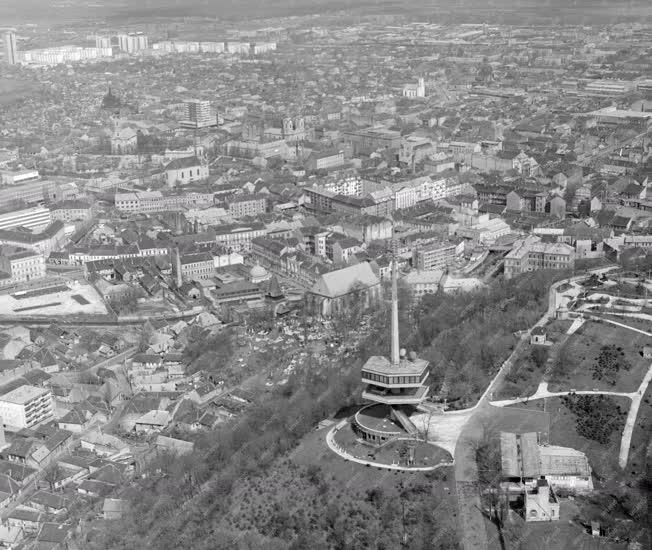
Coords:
pixel 327 276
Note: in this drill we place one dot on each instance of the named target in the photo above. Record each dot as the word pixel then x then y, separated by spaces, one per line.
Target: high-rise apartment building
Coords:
pixel 199 114
pixel 9 47
pixel 102 41
pixel 130 43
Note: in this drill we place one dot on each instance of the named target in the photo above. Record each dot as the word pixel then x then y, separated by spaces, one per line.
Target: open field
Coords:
pixel 74 300
pixel 585 346
pixel 524 377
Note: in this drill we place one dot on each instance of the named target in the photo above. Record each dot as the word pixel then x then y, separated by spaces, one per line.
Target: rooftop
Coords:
pixel 378 418
pixel 23 395
pixel 186 162
pixel 382 365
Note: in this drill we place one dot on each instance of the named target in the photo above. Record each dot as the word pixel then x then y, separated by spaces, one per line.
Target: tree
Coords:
pixel 539 356
pixel 609 362
pixel 52 474
pixel 564 362
pixel 146 335
pixel 596 416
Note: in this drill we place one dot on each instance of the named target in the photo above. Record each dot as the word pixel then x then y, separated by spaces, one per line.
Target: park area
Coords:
pixel 594 425
pixel 576 368
pixel 57 300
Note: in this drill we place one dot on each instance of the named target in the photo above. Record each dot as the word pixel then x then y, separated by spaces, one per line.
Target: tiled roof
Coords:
pixel 186 162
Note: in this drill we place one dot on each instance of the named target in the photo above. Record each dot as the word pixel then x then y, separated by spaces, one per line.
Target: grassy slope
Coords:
pixel 585 345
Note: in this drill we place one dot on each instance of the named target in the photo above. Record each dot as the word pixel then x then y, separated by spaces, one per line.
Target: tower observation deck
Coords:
pixel 394 386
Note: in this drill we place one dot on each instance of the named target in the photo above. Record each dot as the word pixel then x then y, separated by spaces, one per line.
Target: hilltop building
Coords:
pixel 533 471
pixel 394 386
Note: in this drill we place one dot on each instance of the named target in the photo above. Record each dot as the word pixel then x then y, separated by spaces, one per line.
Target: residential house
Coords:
pixel 152 421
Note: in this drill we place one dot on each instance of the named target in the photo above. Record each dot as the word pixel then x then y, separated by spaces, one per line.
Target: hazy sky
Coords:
pixel 572 11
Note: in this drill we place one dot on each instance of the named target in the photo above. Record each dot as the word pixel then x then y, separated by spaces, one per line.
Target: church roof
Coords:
pixel 186 162
pixel 343 281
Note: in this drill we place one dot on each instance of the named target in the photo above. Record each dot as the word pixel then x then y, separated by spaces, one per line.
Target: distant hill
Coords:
pixel 493 11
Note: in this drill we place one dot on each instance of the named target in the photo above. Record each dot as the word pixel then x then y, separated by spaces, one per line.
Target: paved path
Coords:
pixel 575 326
pixel 612 322
pixel 626 441
pixel 333 446
pixel 542 393
pixel 472 529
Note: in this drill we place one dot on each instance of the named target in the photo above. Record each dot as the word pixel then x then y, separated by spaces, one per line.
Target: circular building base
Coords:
pixel 375 424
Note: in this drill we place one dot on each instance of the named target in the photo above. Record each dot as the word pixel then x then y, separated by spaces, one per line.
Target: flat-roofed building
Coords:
pixel 325 160
pixel 197 266
pixel 372 139
pixel 72 210
pixel 246 205
pixel 525 459
pixel 140 202
pixel 14 177
pixel 199 114
pixel 238 237
pixel 344 184
pixel 612 116
pixel 484 230
pixel 437 255
pixel 609 88
pixel 26 407
pixel 30 218
pixel 28 193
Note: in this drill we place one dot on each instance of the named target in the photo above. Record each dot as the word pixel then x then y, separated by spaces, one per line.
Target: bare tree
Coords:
pixel 52 474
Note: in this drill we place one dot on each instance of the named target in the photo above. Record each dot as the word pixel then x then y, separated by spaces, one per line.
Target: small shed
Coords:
pixel 538 336
pixel 113 508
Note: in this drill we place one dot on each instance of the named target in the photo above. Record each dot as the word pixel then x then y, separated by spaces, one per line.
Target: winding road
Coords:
pixel 472 529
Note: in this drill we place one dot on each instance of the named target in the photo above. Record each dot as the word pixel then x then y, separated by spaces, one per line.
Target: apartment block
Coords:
pixel 434 256
pixel 26 407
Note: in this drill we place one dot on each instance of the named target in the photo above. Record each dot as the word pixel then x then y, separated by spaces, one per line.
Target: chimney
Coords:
pixel 178 267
